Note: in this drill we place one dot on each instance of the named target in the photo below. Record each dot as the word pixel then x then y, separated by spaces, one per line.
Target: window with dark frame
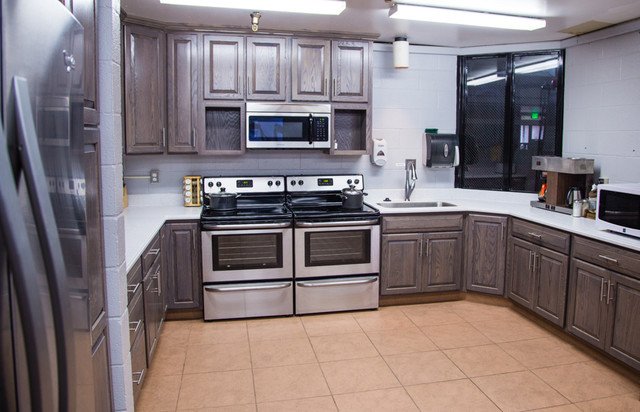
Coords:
pixel 509 109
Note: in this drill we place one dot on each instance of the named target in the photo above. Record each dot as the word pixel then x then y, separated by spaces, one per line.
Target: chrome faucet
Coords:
pixel 410 178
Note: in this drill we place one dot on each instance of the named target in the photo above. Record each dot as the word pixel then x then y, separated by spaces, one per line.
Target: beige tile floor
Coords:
pixel 453 356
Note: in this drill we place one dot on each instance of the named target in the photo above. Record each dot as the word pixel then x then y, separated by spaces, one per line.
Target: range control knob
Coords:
pixel 349 181
pixel 293 183
pixel 270 183
pixel 300 182
pixel 218 184
pixel 356 181
pixel 277 183
pixel 210 184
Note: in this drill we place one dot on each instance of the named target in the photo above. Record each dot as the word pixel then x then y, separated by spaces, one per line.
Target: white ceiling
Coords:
pixel 371 16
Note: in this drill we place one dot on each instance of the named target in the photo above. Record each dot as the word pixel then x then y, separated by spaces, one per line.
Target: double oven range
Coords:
pixel 288 247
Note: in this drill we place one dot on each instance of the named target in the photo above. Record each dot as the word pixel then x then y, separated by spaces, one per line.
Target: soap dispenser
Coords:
pixel 379 152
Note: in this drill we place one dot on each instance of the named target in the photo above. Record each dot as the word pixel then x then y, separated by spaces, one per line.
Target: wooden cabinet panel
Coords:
pixel 623 341
pixel 134 280
pixel 138 364
pixel 350 69
pixel 486 253
pixel 223 126
pixel 588 312
pixel 182 93
pixel 521 279
pixel 310 68
pixel 266 68
pixel 149 313
pixel 541 235
pixel 223 67
pixel 145 87
pixel 101 380
pixel 400 264
pixel 85 12
pixel 551 285
pixel 607 256
pixel 422 223
pixel 183 277
pixel 442 263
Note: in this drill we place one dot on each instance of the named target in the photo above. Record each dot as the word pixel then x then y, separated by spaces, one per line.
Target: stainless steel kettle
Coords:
pixel 573 195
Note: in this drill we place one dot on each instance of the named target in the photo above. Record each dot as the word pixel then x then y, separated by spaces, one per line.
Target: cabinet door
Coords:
pixel 552 270
pixel 442 261
pixel 183 277
pixel 266 68
pixel 85 12
pixel 144 80
pixel 182 92
pixel 101 380
pixel 623 340
pixel 350 71
pixel 150 310
pixel 401 264
pixel 310 67
pixel 223 67
pixel 587 317
pixel 485 253
pixel 521 280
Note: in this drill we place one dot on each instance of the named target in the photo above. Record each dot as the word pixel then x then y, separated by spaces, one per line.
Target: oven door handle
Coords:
pixel 209 226
pixel 316 284
pixel 336 224
pixel 247 288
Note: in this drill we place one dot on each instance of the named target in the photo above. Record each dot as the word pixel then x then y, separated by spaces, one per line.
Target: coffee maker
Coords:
pixel 568 178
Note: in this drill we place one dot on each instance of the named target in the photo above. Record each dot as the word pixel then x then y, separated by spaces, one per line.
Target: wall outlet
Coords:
pixel 154 176
pixel 603 180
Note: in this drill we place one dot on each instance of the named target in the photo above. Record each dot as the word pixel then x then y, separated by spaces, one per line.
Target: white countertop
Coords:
pixel 146 214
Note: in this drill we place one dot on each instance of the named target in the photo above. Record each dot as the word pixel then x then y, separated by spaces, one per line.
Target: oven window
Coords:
pixel 249 251
pixel 344 247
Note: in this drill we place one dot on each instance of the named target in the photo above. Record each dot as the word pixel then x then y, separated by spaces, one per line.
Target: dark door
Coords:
pixel 183 267
pixel 441 261
pixel 401 264
pixel 485 253
pixel 623 342
pixel 182 93
pixel 521 278
pixel 551 285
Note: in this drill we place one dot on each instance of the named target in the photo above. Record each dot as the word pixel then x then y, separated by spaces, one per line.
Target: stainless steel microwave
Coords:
pixel 288 126
pixel 618 208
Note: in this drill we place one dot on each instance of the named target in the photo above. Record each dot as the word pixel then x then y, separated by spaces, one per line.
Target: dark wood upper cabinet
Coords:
pixel 350 71
pixel 85 12
pixel 145 89
pixel 486 245
pixel 182 93
pixel 266 68
pixel 310 69
pixel 224 70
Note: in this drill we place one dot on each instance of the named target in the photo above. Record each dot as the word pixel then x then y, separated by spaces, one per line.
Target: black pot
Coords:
pixel 223 201
pixel 352 198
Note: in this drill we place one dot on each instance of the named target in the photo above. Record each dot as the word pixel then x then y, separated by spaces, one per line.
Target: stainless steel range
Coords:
pixel 247 248
pixel 337 249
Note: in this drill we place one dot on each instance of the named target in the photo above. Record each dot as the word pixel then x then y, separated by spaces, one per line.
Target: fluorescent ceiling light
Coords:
pixel 332 7
pixel 464 17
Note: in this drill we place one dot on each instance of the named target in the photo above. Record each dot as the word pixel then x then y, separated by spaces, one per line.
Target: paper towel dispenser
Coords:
pixel 440 150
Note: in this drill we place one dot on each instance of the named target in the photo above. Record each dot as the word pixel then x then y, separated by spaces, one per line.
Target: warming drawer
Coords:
pixel 248 300
pixel 337 294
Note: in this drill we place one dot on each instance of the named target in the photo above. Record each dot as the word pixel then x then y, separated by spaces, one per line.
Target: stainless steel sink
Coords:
pixel 415 204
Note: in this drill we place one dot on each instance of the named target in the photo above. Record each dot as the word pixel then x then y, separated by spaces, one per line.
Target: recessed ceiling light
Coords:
pixel 332 7
pixel 464 17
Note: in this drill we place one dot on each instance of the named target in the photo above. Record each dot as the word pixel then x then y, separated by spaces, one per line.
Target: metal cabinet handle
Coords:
pixel 247 288
pixel 326 85
pixel 602 289
pixel 609 294
pixel 164 137
pixel 138 323
pixel 156 276
pixel 428 244
pixel 154 251
pixel 133 288
pixel 140 375
pixel 337 282
pixel 535 235
pixel 535 256
pixel 529 266
pixel 334 87
pixel 193 136
pixel 502 228
pixel 608 259
pixel 420 248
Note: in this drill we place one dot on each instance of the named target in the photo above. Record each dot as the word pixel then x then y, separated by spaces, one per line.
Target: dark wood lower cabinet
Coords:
pixel 485 254
pixel 623 341
pixel 421 262
pixel 183 278
pixel 101 380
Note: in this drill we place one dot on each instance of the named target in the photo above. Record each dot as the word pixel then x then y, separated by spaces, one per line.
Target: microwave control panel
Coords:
pixel 321 128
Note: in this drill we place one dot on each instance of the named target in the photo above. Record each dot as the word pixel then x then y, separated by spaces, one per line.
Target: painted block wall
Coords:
pixel 405 102
pixel 602 106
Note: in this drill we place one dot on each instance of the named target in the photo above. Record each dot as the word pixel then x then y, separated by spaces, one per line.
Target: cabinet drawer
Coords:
pixel 421 223
pixel 607 256
pixel 541 235
pixel 134 280
pixel 136 316
pixel 138 364
pixel 151 253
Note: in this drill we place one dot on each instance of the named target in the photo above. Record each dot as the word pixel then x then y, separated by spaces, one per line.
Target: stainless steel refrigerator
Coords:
pixel 45 344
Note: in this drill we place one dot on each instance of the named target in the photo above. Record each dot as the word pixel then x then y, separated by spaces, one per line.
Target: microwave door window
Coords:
pixel 621 209
pixel 277 129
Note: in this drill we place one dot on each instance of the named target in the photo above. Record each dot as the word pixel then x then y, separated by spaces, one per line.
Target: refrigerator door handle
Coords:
pixel 24 277
pixel 36 183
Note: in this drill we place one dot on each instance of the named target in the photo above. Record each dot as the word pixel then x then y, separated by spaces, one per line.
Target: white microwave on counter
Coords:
pixel 288 126
pixel 618 208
